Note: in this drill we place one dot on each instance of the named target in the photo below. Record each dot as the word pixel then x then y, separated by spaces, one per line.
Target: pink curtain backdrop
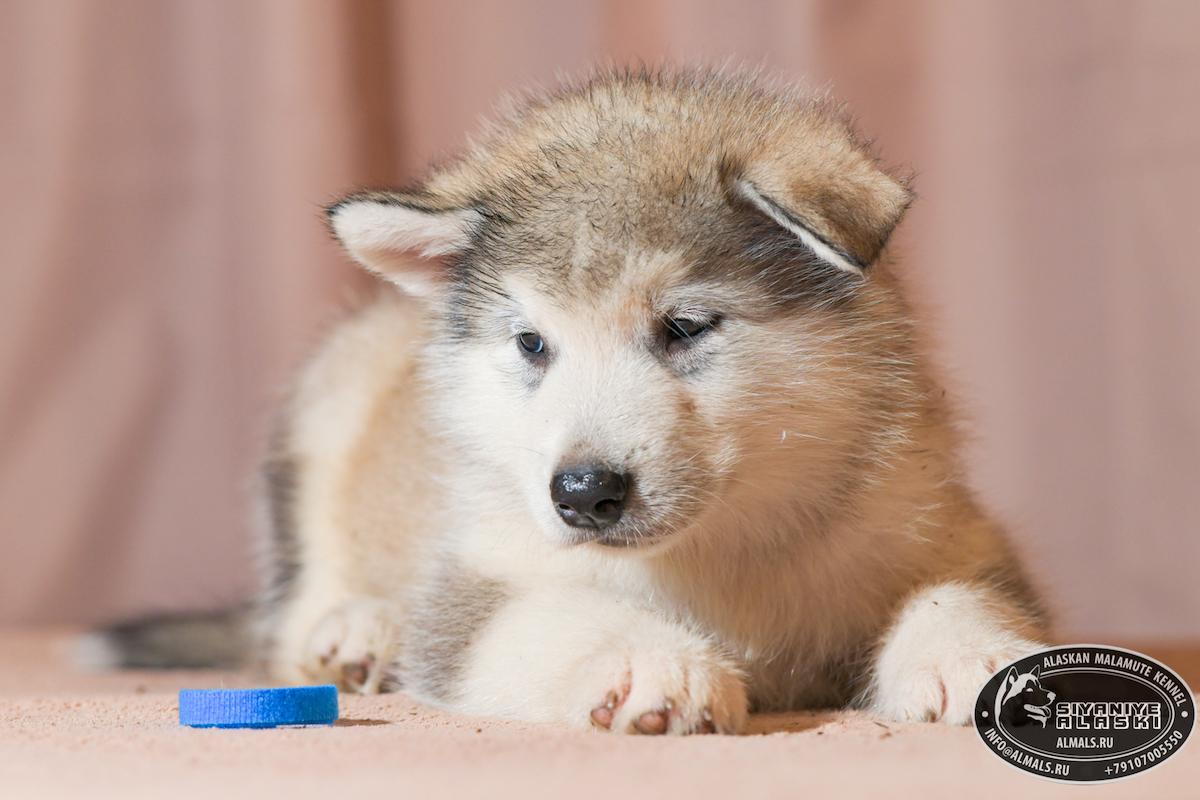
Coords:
pixel 163 265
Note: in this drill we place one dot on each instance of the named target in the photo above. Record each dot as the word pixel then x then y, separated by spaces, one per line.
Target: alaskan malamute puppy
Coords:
pixel 638 439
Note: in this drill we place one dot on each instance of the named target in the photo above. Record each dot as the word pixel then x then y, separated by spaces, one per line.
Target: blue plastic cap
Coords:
pixel 258 708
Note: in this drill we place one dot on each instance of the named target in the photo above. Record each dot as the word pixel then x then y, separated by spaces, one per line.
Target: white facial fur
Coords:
pixel 608 394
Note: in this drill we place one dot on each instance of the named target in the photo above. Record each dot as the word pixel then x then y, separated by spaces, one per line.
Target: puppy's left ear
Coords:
pixel 820 182
pixel 403 237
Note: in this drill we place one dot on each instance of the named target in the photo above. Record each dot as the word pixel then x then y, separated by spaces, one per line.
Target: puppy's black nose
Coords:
pixel 588 497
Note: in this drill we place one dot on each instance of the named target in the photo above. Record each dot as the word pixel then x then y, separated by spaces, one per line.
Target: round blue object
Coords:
pixel 258 708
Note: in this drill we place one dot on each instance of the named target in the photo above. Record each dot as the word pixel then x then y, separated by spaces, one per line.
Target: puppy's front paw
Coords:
pixel 941 689
pixel 655 692
pixel 946 644
pixel 352 646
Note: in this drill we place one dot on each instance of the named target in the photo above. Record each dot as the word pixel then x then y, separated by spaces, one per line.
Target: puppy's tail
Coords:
pixel 201 640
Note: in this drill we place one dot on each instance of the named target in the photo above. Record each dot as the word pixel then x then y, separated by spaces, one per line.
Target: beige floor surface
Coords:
pixel 64 733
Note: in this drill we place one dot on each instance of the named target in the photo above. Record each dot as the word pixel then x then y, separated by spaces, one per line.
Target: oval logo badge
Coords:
pixel 1085 713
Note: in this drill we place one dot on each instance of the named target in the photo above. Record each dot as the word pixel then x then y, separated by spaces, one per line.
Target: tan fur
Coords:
pixel 802 533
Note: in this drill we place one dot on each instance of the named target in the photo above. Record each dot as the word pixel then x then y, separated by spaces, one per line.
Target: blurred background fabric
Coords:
pixel 163 264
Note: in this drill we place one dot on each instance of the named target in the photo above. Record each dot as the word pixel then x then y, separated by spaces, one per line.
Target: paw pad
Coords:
pixel 652 723
pixel 602 715
pixel 356 673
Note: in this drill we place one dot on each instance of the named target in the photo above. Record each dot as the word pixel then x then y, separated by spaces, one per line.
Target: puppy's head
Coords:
pixel 658 302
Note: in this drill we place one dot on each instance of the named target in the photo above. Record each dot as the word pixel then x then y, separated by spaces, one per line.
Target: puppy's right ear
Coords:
pixel 403 237
pixel 1011 678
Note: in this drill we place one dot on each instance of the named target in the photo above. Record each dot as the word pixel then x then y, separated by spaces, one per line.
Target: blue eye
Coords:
pixel 531 343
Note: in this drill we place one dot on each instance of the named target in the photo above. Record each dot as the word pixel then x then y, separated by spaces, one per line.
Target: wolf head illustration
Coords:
pixel 1022 700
